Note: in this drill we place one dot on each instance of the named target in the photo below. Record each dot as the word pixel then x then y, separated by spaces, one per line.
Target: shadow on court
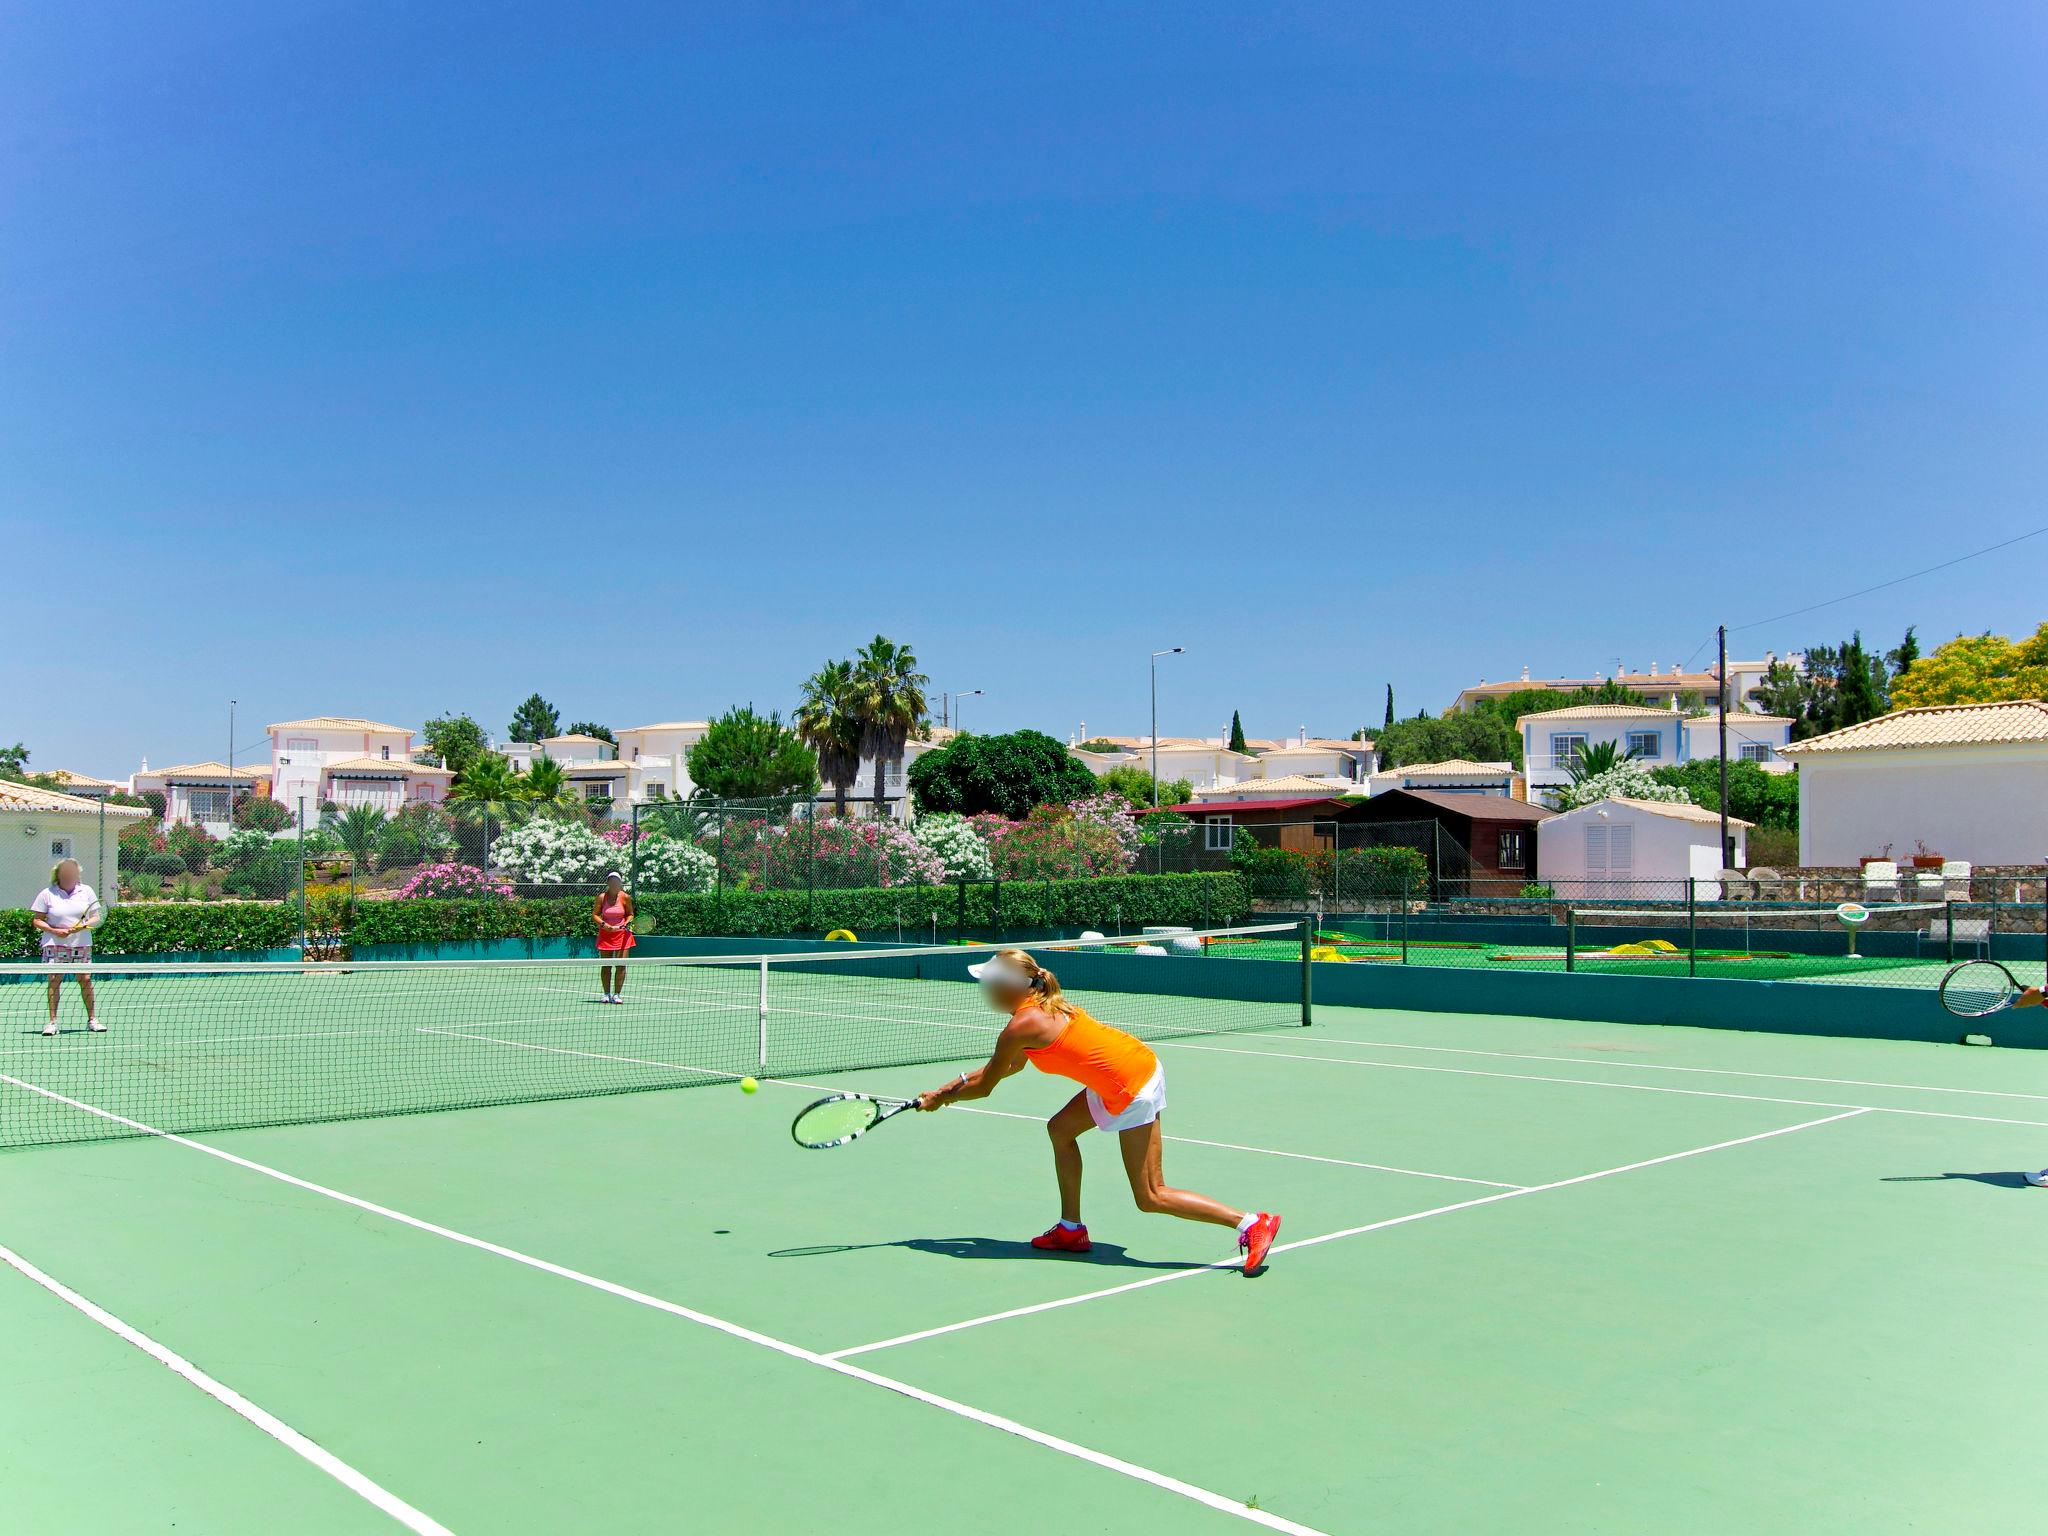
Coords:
pixel 2003 1179
pixel 991 1248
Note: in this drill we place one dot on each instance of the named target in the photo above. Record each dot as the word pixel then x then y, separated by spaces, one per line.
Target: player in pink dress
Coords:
pixel 614 913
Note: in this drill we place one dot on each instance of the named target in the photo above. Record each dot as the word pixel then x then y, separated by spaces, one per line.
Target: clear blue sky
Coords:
pixel 393 359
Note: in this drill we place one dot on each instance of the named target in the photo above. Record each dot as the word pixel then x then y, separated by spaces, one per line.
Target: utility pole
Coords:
pixel 1174 651
pixel 1721 690
pixel 231 763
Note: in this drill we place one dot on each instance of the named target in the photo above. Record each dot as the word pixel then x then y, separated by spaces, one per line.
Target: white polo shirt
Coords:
pixel 58 909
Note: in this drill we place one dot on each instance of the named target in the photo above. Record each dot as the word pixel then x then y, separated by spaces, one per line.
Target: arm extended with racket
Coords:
pixel 1007 1060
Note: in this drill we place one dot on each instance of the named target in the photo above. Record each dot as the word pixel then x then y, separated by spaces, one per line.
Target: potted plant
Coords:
pixel 1922 859
pixel 1879 857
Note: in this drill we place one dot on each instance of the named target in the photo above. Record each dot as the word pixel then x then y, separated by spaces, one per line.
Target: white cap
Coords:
pixel 995 969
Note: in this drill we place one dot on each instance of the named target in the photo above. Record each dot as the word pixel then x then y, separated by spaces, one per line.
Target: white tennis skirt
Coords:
pixel 1148 1106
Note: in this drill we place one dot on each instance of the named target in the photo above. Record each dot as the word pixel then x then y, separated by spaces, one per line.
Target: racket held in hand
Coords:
pixel 843 1117
pixel 1977 988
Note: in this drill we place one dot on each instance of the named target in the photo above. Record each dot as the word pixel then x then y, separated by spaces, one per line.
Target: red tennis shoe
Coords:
pixel 1063 1239
pixel 1257 1238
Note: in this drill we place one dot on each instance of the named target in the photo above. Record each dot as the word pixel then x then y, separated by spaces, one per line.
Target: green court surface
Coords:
pixel 1535 1276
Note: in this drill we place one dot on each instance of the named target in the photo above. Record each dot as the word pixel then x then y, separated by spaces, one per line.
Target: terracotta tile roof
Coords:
pixel 1675 810
pixel 1205 807
pixel 26 797
pixel 338 723
pixel 1604 712
pixel 575 736
pixel 1293 783
pixel 668 725
pixel 1703 682
pixel 66 776
pixel 210 770
pixel 1453 768
pixel 1936 725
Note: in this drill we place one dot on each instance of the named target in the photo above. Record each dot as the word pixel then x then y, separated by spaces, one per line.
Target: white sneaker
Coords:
pixel 2039 1180
pixel 96 1026
pixel 50 1028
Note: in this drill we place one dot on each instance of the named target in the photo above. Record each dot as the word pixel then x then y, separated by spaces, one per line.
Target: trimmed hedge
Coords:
pixel 171 927
pixel 167 927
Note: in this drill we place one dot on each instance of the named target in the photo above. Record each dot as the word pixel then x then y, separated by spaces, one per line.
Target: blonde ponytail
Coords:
pixel 1044 984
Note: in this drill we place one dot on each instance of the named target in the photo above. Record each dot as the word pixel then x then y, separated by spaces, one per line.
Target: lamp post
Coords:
pixel 949 705
pixel 1172 651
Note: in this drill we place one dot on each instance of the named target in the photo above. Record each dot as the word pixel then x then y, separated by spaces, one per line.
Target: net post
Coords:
pixel 1692 925
pixel 1571 937
pixel 761 1053
pixel 1308 997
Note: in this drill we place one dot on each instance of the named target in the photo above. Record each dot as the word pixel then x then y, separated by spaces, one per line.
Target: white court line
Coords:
pixel 1587 1082
pixel 1322 1038
pixel 356 1483
pixel 1000 1114
pixel 1008 1426
pixel 1330 1237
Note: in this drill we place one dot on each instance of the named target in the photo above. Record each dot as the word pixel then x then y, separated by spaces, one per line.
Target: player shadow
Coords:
pixel 2001 1179
pixel 993 1248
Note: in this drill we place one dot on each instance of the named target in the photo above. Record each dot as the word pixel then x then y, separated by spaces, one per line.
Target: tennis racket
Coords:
pixel 89 919
pixel 842 1118
pixel 1978 987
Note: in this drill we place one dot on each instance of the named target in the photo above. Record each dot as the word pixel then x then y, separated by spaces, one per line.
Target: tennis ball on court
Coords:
pixel 748 1085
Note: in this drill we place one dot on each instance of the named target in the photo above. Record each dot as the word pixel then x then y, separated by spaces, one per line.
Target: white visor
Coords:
pixel 998 972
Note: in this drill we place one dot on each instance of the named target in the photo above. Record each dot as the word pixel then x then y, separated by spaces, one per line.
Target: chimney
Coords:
pixel 1653 669
pixel 1525 674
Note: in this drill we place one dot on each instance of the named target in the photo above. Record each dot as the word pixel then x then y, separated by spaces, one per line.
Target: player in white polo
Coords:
pixel 59 911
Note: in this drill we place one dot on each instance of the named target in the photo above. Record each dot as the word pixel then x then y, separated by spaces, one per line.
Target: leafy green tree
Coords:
pixel 1481 735
pixel 1976 669
pixel 1901 658
pixel 1098 744
pixel 1009 774
pixel 1861 686
pixel 1237 734
pixel 1767 799
pixel 261 814
pixel 1135 785
pixel 591 728
pixel 534 720
pixel 748 756
pixel 828 719
pixel 456 739
pixel 1390 706
pixel 14 762
pixel 889 700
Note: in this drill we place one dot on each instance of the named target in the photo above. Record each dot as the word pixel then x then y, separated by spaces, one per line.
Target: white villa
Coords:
pixel 1553 740
pixel 200 793
pixel 1965 781
pixel 349 762
pixel 1664 687
pixel 1455 776
pixel 1209 764
pixel 40 826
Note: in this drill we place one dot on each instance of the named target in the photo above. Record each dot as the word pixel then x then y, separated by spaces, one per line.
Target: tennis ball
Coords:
pixel 748 1085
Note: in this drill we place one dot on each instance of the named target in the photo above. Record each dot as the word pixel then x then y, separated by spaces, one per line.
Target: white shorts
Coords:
pixel 1148 1106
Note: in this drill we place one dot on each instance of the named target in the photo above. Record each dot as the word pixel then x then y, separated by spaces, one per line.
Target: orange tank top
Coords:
pixel 1095 1055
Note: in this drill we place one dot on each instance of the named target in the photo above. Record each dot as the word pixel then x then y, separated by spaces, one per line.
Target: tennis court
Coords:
pixel 1537 1276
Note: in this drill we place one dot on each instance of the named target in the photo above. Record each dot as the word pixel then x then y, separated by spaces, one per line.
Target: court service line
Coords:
pixel 1065 1447
pixel 271 1425
pixel 1331 1237
pixel 1000 1114
pixel 1588 1082
pixel 1323 1038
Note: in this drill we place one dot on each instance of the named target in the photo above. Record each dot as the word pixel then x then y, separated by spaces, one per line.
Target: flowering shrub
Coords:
pixel 620 834
pixel 669 865
pixel 1628 780
pixel 828 854
pixel 546 851
pixel 956 844
pixel 193 844
pixel 1085 840
pixel 453 880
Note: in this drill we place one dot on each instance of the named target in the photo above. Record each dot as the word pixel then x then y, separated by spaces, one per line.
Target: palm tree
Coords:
pixel 546 785
pixel 827 722
pixel 889 702
pixel 1596 757
pixel 358 829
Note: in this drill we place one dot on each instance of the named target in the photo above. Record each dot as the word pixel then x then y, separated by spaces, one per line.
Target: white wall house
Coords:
pixel 1645 848
pixel 1208 763
pixel 40 826
pixel 658 757
pixel 1967 781
pixel 1456 776
pixel 1661 686
pixel 372 756
pixel 203 794
pixel 1204 764
pixel 1554 739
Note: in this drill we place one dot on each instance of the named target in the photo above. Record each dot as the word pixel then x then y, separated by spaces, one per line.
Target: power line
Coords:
pixel 1895 581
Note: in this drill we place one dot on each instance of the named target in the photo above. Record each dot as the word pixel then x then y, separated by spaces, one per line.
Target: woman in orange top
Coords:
pixel 613 910
pixel 1123 1089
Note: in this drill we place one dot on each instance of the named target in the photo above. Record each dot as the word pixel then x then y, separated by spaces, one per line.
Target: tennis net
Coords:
pixel 207 1047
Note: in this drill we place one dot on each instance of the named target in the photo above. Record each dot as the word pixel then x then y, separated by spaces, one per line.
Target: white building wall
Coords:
pixel 1663 849
pixel 25 860
pixel 1988 805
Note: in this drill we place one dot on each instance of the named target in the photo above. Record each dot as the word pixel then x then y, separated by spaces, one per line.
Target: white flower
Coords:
pixel 664 864
pixel 1626 780
pixel 962 850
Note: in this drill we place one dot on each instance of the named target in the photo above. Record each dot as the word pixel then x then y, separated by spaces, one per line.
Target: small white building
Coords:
pixel 1966 781
pixel 1455 776
pixel 1620 847
pixel 38 827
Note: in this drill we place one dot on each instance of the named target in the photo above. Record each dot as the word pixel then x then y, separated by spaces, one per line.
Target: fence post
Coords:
pixel 302 877
pixel 1571 937
pixel 720 887
pixel 762 1050
pixel 960 911
pixel 1692 925
pixel 1308 994
pixel 995 893
pixel 1949 922
pixel 1405 904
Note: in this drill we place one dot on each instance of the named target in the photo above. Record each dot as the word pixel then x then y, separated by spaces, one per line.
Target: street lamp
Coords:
pixel 949 707
pixel 1174 651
